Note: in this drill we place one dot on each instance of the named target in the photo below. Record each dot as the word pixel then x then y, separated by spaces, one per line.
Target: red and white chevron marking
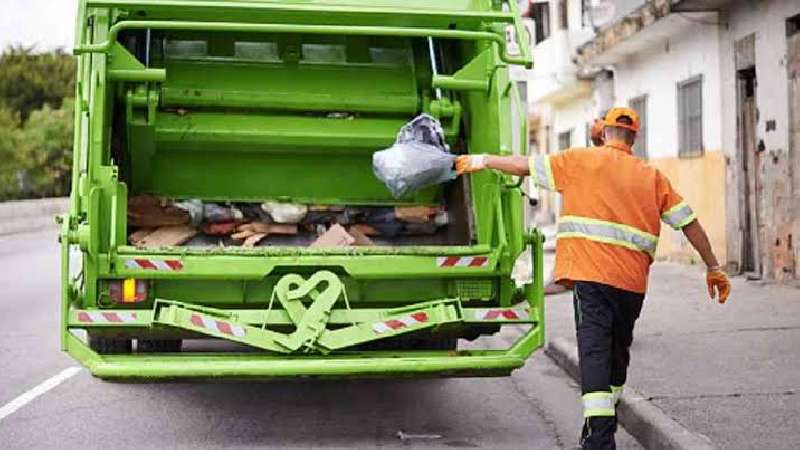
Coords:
pixel 106 317
pixel 462 261
pixel 169 265
pixel 502 314
pixel 217 326
pixel 403 322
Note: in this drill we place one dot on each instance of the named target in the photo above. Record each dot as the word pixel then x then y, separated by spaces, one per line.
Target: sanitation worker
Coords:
pixel 613 203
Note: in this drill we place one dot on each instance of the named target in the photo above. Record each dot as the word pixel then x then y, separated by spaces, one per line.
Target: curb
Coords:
pixel 640 417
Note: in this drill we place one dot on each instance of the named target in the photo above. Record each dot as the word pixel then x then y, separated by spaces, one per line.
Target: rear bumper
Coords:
pixel 341 365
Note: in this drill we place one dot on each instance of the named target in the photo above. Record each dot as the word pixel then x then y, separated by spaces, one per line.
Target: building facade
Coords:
pixel 559 97
pixel 760 84
pixel 716 85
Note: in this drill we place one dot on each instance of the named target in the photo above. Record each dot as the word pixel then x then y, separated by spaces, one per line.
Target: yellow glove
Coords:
pixel 718 282
pixel 470 163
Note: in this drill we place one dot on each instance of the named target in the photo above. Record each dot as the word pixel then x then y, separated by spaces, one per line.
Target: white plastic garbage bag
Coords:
pixel 285 212
pixel 419 158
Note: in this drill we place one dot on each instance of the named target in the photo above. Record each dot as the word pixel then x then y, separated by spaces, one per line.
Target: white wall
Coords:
pixel 768 21
pixel 553 69
pixel 624 7
pixel 693 49
pixel 572 115
pixel 554 76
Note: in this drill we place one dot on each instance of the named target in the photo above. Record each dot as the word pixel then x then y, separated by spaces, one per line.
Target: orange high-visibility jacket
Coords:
pixel 613 203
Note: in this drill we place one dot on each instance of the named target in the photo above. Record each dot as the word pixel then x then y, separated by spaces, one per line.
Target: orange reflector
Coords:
pixel 129 290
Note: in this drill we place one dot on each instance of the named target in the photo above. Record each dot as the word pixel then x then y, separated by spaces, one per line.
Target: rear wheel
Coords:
pixel 158 345
pixel 110 346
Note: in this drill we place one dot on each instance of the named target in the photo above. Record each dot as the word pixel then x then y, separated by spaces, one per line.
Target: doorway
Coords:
pixel 749 156
pixel 793 75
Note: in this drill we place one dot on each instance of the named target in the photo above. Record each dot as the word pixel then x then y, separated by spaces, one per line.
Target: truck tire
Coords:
pixel 158 345
pixel 109 346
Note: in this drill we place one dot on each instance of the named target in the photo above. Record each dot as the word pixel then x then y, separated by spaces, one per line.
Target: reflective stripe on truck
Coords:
pixel 462 261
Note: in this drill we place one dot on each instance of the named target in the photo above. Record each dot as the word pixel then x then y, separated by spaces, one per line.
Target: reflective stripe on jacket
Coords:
pixel 613 203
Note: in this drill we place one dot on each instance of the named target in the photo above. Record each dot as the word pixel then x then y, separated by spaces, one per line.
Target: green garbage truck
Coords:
pixel 270 111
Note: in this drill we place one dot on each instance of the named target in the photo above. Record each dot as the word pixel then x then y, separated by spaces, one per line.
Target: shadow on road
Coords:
pixel 308 413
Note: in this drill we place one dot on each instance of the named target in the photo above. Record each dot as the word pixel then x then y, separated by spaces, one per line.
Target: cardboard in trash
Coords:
pixel 416 214
pixel 252 233
pixel 166 236
pixel 151 212
pixel 336 236
pixel 360 238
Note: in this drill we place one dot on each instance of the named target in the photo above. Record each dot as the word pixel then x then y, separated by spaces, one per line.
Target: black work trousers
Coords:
pixel 604 319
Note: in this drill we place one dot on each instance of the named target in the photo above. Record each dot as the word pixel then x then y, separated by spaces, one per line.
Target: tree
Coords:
pixel 10 161
pixel 45 145
pixel 28 80
pixel 35 122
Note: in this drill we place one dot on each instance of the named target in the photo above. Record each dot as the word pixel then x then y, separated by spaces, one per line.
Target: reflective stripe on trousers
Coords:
pixel 598 404
pixel 607 232
pixel 678 216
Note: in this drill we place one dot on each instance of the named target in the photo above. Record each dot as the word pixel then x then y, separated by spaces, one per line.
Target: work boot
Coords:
pixel 598 433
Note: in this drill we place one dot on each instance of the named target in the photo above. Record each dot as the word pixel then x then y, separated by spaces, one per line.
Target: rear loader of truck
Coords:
pixel 237 104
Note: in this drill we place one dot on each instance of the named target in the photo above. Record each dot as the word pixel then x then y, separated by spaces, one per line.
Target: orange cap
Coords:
pixel 615 114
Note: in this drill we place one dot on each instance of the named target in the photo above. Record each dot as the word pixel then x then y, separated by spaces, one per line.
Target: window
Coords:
pixel 586 18
pixel 390 56
pixel 690 117
pixel 518 117
pixel 563 18
pixel 256 51
pixel 540 14
pixel 588 135
pixel 639 104
pixel 793 25
pixel 324 53
pixel 565 140
pixel 522 86
pixel 186 49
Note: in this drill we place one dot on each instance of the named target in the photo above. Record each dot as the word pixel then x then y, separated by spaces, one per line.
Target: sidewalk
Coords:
pixel 730 372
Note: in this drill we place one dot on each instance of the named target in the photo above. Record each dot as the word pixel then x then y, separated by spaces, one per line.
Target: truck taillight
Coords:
pixel 128 290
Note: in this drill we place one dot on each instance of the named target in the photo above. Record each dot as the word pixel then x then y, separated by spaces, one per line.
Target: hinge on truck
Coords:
pixel 323 289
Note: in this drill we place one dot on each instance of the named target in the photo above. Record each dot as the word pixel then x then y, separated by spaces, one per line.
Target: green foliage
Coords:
pixel 10 161
pixel 35 123
pixel 28 81
pixel 46 148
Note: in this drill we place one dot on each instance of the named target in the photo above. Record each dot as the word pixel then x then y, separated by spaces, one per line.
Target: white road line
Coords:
pixel 27 397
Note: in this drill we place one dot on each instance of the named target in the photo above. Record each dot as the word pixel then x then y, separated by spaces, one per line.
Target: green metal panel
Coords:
pixel 354 30
pixel 467 14
pixel 235 84
pixel 475 288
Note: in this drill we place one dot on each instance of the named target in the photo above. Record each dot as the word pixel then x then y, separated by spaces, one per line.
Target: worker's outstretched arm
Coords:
pixel 715 278
pixel 512 165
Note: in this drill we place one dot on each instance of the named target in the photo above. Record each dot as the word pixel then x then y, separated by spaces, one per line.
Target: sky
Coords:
pixel 46 24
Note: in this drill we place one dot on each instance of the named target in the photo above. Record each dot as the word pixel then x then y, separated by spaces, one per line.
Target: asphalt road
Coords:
pixel 536 408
